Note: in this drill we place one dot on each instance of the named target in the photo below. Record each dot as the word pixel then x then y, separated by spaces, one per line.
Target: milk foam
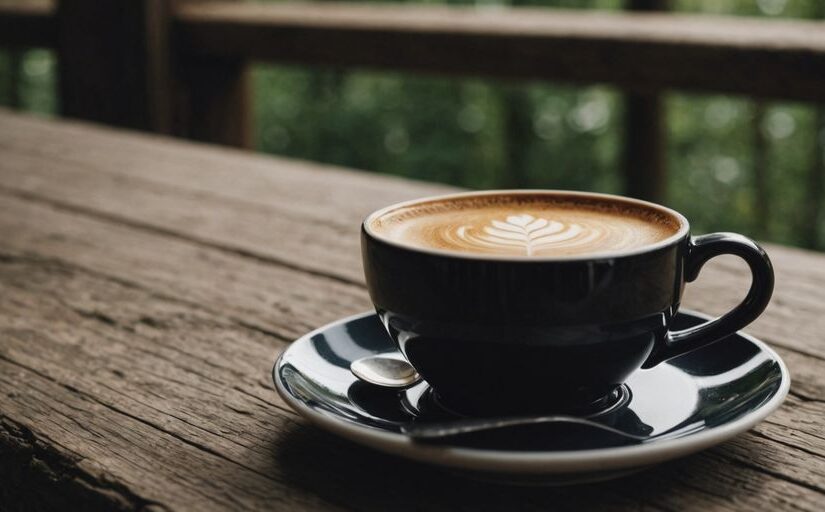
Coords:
pixel 521 225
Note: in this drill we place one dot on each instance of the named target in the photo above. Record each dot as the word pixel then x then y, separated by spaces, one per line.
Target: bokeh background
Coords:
pixel 734 163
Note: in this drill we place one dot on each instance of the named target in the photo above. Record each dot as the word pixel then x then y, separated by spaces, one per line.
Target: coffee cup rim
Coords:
pixel 682 232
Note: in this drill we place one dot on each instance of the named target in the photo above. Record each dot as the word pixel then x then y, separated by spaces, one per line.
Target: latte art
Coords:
pixel 526 226
pixel 523 233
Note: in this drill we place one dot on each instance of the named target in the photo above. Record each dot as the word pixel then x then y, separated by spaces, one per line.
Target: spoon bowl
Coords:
pixel 385 371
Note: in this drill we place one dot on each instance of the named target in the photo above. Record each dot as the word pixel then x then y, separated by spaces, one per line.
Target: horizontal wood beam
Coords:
pixel 27 24
pixel 636 51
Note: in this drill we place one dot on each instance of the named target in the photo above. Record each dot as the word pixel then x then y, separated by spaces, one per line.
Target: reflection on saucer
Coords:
pixel 685 405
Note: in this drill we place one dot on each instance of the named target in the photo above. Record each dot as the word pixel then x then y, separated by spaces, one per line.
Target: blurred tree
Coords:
pixel 761 197
pixel 643 162
pixel 811 229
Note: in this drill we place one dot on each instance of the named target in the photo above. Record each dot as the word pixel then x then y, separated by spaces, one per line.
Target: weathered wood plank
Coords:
pixel 792 319
pixel 117 181
pixel 256 289
pixel 257 294
pixel 153 374
pixel 267 297
pixel 638 51
pixel 118 385
pixel 301 214
pixel 138 345
pixel 27 23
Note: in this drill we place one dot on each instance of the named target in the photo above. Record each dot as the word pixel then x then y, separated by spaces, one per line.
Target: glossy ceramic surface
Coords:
pixel 684 405
pixel 512 335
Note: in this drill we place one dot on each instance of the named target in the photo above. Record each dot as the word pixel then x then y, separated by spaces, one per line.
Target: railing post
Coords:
pixel 517 134
pixel 15 65
pixel 213 101
pixel 112 60
pixel 118 65
pixel 815 184
pixel 761 182
pixel 643 161
pixel 212 96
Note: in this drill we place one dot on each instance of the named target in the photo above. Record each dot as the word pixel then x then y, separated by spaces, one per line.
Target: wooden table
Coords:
pixel 148 284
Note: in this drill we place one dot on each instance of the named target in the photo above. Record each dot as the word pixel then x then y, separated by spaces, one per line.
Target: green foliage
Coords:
pixel 27 80
pixel 488 134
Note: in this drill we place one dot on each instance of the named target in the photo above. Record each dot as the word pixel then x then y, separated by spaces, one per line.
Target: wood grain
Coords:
pixel 203 379
pixel 638 51
pixel 118 182
pixel 141 310
pixel 264 216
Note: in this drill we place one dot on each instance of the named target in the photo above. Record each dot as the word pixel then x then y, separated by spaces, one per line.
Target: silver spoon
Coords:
pixel 386 371
pixel 433 431
pixel 393 372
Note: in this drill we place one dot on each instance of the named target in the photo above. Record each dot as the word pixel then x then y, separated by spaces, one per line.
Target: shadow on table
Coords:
pixel 342 472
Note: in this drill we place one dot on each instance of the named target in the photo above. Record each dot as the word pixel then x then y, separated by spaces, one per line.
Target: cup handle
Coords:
pixel 700 250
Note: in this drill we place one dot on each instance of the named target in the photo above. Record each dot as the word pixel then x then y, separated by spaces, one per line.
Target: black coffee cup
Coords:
pixel 494 334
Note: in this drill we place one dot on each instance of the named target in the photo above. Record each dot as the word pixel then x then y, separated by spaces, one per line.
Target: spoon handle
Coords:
pixel 441 430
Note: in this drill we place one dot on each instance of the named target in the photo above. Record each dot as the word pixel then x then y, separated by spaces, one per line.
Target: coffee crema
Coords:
pixel 531 225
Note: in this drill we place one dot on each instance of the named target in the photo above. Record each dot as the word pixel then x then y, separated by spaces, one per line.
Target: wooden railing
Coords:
pixel 27 23
pixel 179 67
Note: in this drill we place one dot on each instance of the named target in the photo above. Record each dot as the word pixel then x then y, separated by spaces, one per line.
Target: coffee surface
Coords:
pixel 526 225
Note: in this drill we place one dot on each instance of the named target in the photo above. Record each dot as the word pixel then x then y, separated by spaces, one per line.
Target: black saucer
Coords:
pixel 682 406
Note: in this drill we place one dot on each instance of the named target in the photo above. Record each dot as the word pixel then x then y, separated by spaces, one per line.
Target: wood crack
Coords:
pixel 62 264
pixel 96 315
pixel 785 443
pixel 811 433
pixel 85 396
pixel 262 330
pixel 804 397
pixel 171 233
pixel 776 474
pixel 185 369
pixel 802 352
pixel 266 402
pixel 12 258
pixel 188 192
pixel 36 476
pixel 182 420
pixel 704 490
